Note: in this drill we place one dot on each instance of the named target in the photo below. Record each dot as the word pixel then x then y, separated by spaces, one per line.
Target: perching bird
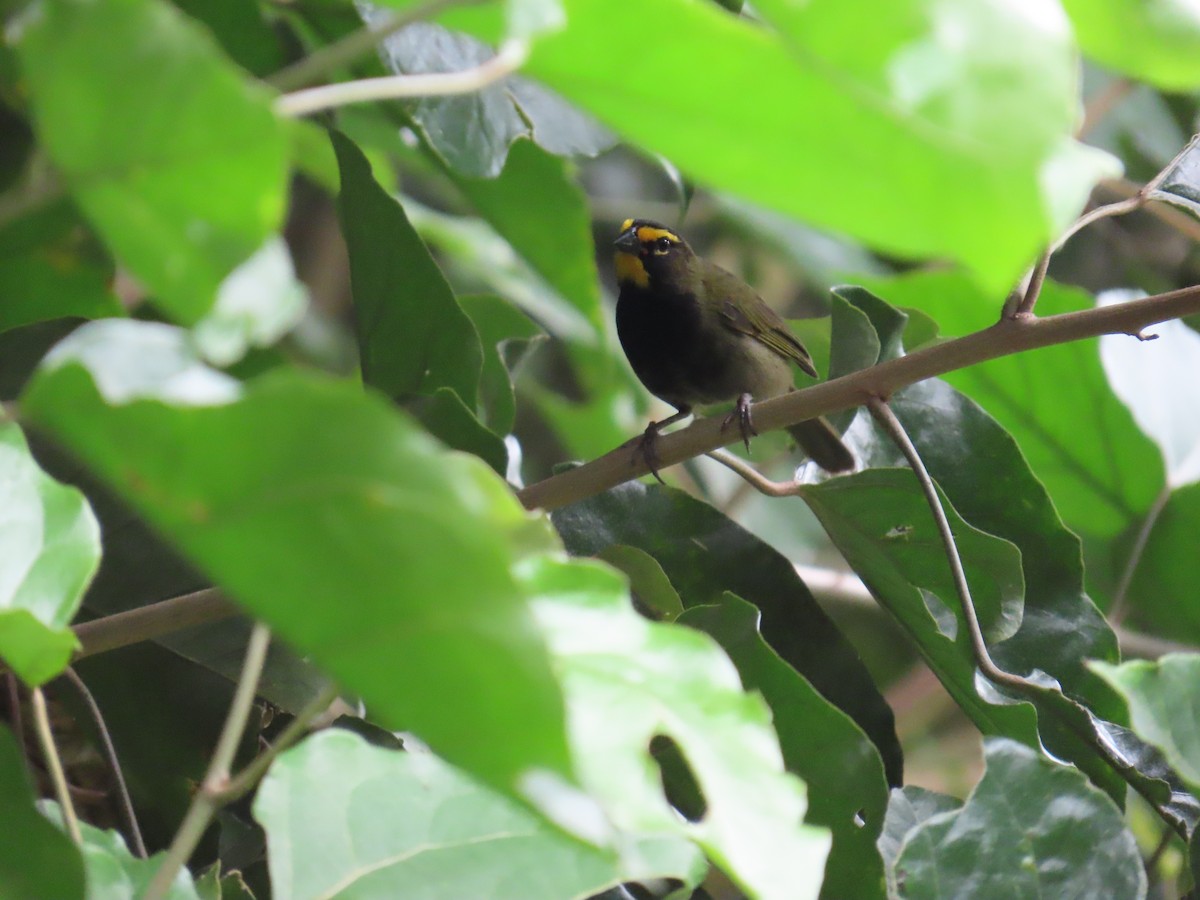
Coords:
pixel 696 334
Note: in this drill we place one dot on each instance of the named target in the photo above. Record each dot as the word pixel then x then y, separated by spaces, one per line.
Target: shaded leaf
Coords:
pixel 1180 184
pixel 413 336
pixel 820 743
pixel 36 859
pixel 1162 595
pixel 1008 841
pixel 647 581
pixel 348 818
pixel 196 181
pixel 506 334
pixel 345 502
pixel 907 808
pixel 705 554
pixel 447 418
pixel 49 551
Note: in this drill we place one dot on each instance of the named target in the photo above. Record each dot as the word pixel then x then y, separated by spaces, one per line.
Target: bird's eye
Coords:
pixel 663 244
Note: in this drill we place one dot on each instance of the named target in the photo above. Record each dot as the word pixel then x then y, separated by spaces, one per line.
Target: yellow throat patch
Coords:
pixel 630 270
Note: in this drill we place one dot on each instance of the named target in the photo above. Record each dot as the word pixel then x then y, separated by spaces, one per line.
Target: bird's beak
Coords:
pixel 628 242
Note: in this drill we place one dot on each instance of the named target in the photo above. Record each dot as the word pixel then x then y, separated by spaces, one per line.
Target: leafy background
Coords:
pixel 304 360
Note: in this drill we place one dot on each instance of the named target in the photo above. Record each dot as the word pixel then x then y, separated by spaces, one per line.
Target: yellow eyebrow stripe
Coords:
pixel 626 225
pixel 648 235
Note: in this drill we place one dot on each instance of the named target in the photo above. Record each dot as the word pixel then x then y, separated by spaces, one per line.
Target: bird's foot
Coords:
pixel 645 449
pixel 741 415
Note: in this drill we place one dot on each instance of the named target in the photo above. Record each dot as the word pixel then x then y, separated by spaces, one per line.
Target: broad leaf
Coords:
pixel 1031 828
pixel 349 507
pixel 195 181
pixel 49 550
pixel 907 808
pixel 1151 40
pixel 36 859
pixel 343 817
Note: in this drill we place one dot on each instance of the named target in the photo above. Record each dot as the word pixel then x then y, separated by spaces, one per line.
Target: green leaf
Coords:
pixel 1156 380
pixel 1152 40
pixel 554 235
pixel 506 334
pixel 705 554
pixel 447 418
pixel 343 817
pixel 907 808
pixel 51 267
pixel 258 303
pixel 113 873
pixel 975 104
pixel 880 521
pixel 1077 438
pixel 49 551
pixel 1162 595
pixel 672 682
pixel 820 743
pixel 1164 706
pixel 195 183
pixel 647 581
pixel 37 860
pixel 348 506
pixel 472 132
pixel 413 336
pixel 1031 828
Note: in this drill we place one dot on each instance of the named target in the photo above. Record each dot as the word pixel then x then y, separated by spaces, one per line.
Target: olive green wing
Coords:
pixel 751 316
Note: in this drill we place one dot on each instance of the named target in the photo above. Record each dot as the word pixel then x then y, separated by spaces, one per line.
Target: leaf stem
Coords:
pixel 510 57
pixel 114 763
pixel 41 720
pixel 1006 337
pixel 206 802
pixel 1120 604
pixel 341 53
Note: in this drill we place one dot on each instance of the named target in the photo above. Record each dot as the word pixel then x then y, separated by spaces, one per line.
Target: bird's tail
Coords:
pixel 823 445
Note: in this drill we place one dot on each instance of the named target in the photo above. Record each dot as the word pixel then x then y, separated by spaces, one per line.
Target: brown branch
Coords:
pixel 153 621
pixel 1005 337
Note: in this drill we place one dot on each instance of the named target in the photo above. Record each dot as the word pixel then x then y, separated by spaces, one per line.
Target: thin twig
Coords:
pixel 114 763
pixel 242 783
pixel 216 779
pixel 1170 215
pixel 1120 603
pixel 341 53
pixel 1037 277
pixel 1005 337
pixel 41 720
pixel 755 478
pixel 883 414
pixel 510 57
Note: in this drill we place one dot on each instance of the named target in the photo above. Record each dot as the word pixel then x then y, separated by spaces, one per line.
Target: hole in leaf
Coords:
pixel 679 782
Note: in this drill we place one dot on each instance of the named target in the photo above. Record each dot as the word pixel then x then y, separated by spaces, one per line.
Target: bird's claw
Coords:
pixel 645 450
pixel 741 415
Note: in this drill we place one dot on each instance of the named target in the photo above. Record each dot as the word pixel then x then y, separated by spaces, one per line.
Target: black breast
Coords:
pixel 660 334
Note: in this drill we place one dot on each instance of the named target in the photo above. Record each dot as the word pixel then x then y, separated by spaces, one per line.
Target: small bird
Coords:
pixel 696 334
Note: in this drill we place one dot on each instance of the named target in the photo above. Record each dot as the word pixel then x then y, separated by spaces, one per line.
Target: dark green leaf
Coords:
pixel 881 522
pixel 178 162
pixel 413 336
pixel 907 808
pixel 705 554
pixel 506 334
pixel 447 418
pixel 347 506
pixel 472 132
pixel 553 235
pixel 1031 828
pixel 1055 402
pixel 821 744
pixel 49 550
pixel 346 818
pixel 1162 595
pixel 37 861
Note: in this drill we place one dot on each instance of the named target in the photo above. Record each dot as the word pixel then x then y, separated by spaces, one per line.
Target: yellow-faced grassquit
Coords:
pixel 695 334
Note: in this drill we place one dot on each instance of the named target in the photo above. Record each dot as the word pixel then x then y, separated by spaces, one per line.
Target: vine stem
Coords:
pixel 207 800
pixel 114 763
pixel 1116 612
pixel 1010 335
pixel 510 57
pixel 887 420
pixel 41 721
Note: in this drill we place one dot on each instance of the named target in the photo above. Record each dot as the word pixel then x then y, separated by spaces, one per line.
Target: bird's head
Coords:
pixel 649 253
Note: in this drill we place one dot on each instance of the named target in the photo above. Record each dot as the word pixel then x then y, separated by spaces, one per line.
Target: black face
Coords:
pixel 649 252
